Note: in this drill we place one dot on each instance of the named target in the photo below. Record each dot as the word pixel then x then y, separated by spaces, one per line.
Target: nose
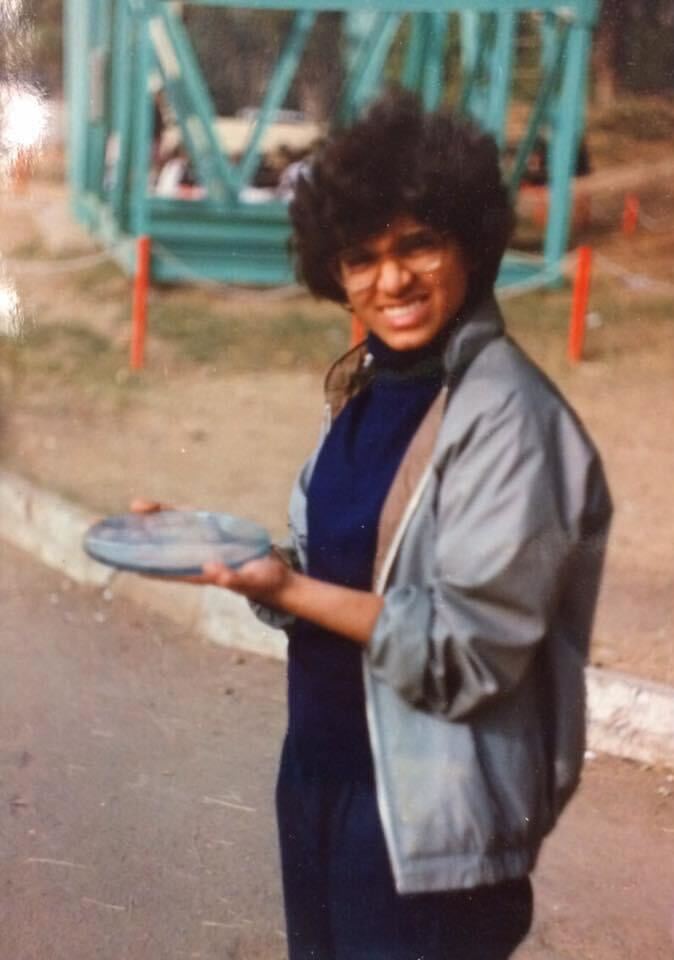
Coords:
pixel 394 276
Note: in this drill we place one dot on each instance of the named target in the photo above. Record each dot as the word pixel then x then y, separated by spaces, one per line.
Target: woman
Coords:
pixel 447 541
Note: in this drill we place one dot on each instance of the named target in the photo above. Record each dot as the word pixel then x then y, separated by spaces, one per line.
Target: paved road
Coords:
pixel 136 822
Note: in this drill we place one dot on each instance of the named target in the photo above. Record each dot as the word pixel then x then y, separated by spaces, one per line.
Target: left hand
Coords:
pixel 271 582
pixel 260 580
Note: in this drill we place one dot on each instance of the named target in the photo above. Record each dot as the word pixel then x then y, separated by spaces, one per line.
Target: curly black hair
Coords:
pixel 397 161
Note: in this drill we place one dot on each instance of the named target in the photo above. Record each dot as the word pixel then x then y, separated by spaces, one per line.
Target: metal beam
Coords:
pixel 563 157
pixel 481 31
pixel 224 238
pixel 552 64
pixel 189 94
pixel 413 64
pixel 367 66
pixel 142 136
pixel 100 41
pixel 499 68
pixel 76 17
pixel 432 84
pixel 423 68
pixel 277 90
pixel 585 11
pixel 123 83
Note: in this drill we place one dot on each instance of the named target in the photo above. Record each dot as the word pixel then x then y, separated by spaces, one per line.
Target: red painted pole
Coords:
pixel 630 214
pixel 139 312
pixel 581 291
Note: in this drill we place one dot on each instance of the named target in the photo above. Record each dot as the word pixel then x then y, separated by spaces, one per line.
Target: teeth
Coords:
pixel 401 311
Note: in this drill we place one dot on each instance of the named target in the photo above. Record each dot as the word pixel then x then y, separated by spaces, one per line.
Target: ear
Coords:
pixel 358 330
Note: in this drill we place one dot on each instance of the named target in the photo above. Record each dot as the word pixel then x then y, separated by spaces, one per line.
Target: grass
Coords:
pixel 258 337
pixel 101 276
pixel 77 339
pixel 35 249
pixel 216 336
pixel 626 330
pixel 197 333
pixel 192 330
pixel 184 326
pixel 71 353
pixel 29 250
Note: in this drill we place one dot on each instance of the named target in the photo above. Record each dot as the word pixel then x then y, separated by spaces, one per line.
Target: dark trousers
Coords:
pixel 340 897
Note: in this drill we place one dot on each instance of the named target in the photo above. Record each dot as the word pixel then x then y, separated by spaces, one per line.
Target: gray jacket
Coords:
pixel 491 543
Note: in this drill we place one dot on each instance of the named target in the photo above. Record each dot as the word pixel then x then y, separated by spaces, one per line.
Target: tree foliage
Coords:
pixel 238 48
pixel 31 41
pixel 634 47
pixel 633 51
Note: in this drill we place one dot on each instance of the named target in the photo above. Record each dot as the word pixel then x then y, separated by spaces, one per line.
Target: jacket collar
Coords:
pixel 348 375
pixel 471 336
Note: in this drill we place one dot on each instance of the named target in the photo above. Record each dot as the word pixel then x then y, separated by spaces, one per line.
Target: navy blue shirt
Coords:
pixel 353 473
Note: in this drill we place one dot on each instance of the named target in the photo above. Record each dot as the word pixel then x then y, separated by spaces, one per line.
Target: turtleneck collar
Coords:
pixel 419 364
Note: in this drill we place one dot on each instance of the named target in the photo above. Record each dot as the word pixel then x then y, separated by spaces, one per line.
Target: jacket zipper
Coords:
pixel 382 799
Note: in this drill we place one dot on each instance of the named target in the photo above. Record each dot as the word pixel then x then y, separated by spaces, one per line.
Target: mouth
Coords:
pixel 403 315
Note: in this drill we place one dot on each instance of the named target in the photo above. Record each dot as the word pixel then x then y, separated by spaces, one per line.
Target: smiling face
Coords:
pixel 405 284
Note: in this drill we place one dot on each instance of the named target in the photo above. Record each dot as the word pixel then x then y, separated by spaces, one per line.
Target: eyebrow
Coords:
pixel 415 233
pixel 421 233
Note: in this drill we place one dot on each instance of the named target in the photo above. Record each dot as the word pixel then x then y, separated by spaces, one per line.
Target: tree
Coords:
pixel 237 50
pixel 47 42
pixel 634 48
pixel 31 41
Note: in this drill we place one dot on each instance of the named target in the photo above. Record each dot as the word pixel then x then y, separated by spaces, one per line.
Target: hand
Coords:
pixel 263 580
pixel 271 582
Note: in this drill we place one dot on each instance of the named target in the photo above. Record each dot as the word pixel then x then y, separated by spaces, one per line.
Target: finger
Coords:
pixel 219 575
pixel 198 579
pixel 141 505
pixel 251 575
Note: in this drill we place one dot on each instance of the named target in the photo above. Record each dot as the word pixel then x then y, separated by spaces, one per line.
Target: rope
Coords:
pixel 55 266
pixel 655 224
pixel 635 280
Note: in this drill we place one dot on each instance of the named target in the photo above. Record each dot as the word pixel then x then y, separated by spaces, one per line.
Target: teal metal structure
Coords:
pixel 119 51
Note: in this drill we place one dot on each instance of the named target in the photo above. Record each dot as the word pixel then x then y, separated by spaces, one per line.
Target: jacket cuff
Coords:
pixel 270 617
pixel 398 648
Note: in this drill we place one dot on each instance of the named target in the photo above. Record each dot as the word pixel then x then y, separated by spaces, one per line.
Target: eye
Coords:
pixel 357 258
pixel 424 241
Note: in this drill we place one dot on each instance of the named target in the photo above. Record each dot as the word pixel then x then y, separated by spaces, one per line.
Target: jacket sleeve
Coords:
pixel 508 513
pixel 294 549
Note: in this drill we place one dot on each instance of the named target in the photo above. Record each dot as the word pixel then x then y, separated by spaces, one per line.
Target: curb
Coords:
pixel 51 529
pixel 628 717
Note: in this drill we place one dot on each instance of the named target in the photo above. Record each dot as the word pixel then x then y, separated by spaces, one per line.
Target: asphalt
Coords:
pixel 137 764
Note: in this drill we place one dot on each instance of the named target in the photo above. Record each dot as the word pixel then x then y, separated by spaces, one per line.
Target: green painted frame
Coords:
pixel 124 48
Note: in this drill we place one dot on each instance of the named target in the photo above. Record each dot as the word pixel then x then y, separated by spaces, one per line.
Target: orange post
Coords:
pixel 630 214
pixel 358 331
pixel 139 314
pixel 581 290
pixel 22 170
